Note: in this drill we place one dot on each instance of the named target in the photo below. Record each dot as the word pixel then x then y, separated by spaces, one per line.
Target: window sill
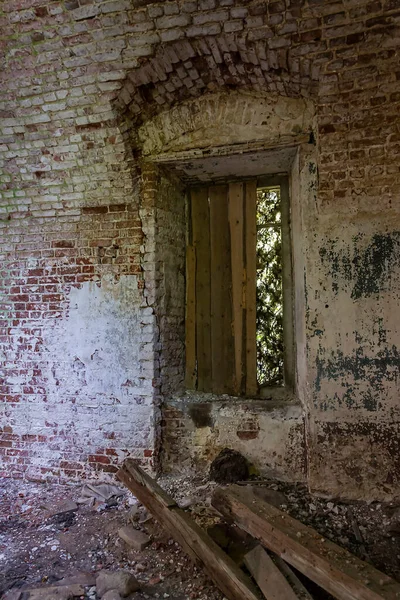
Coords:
pixel 268 399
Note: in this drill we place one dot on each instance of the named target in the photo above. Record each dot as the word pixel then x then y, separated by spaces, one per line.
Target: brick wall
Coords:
pixel 78 80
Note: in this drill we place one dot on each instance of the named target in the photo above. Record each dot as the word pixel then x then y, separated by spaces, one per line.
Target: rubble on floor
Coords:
pixel 275 535
pixel 47 536
pixel 46 541
pixel 378 523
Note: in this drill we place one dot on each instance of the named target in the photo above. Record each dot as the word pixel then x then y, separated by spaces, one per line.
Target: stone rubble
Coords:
pixel 36 553
pixel 133 537
pixel 111 595
pixel 121 581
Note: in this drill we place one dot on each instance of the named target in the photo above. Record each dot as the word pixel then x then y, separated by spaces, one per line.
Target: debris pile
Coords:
pixel 319 560
pixel 103 541
pixel 56 540
pixel 229 467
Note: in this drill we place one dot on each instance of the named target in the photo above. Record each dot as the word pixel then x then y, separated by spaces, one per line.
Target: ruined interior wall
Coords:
pixel 353 275
pixel 163 326
pixel 68 198
pixel 353 327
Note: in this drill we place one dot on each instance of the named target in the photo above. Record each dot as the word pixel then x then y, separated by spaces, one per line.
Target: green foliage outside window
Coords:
pixel 269 288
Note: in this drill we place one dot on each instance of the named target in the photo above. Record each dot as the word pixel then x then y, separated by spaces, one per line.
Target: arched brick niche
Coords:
pixel 225 134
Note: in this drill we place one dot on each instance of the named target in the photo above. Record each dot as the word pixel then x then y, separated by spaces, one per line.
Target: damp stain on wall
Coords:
pixel 201 414
pixel 358 372
pixel 367 268
pixel 362 377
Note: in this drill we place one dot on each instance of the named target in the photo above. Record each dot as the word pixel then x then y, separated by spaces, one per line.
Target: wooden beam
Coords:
pixel 235 209
pixel 330 566
pixel 222 348
pixel 203 550
pixel 251 287
pixel 201 241
pixel 190 347
pixel 267 575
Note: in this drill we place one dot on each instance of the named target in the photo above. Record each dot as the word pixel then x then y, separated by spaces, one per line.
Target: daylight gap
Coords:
pixel 270 349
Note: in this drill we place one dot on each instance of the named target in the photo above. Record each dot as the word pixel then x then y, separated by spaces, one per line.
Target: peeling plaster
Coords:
pixel 95 387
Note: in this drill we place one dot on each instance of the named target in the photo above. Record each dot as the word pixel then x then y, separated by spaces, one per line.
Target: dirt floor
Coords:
pixel 41 544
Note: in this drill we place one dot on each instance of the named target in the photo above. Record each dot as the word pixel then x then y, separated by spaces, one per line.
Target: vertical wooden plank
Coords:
pixel 235 210
pixel 190 379
pixel 267 575
pixel 292 578
pixel 251 286
pixel 201 242
pixel 221 292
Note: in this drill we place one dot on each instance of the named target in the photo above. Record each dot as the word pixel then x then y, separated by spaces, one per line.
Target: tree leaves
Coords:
pixel 269 288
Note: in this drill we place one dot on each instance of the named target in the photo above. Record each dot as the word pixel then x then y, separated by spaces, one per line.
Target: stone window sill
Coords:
pixel 270 399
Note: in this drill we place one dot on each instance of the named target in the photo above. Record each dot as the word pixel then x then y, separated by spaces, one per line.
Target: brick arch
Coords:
pixel 227 118
pixel 188 68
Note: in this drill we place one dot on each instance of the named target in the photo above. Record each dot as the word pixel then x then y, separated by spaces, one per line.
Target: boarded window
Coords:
pixel 232 254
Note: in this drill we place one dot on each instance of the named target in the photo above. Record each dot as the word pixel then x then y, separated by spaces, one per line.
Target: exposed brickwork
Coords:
pixel 36 278
pixel 163 220
pixel 76 235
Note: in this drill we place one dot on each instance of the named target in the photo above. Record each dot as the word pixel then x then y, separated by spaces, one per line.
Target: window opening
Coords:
pixel 269 307
pixel 239 322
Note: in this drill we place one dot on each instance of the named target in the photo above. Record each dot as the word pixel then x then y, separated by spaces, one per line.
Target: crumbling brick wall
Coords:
pixel 78 379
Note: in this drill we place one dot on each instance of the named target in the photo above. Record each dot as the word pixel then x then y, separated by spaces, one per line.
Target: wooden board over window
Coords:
pixel 221 289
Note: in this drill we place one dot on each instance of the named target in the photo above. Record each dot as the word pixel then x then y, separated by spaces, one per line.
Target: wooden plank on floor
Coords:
pixel 267 575
pixel 236 223
pixel 220 567
pixel 222 350
pixel 190 376
pixel 330 566
pixel 298 587
pixel 251 286
pixel 201 241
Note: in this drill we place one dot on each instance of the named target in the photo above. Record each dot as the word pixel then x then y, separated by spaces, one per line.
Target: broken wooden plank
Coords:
pixel 190 346
pixel 194 541
pixel 251 287
pixel 330 566
pixel 222 344
pixel 201 241
pixel 267 575
pixel 133 472
pixel 301 591
pixel 236 223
